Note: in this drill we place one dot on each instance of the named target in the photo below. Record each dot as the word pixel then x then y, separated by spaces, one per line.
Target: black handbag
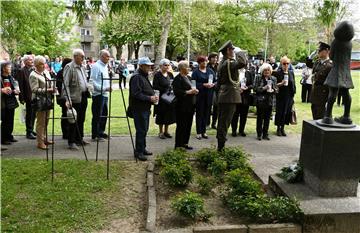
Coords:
pixel 42 102
pixel 129 112
pixel 168 97
pixel 10 102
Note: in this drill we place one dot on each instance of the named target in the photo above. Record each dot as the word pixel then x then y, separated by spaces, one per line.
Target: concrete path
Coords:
pixel 268 157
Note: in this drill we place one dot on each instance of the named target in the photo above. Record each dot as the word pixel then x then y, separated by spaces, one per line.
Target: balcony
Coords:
pixel 86 38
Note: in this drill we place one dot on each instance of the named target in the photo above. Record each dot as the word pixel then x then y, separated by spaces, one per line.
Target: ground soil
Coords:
pixel 167 219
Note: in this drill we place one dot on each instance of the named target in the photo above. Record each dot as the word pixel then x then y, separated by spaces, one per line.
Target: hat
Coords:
pixel 212 54
pixel 323 46
pixel 145 61
pixel 164 61
pixel 227 45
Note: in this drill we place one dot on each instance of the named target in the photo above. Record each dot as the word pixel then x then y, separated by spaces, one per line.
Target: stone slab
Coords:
pixel 275 228
pixel 151 214
pixel 322 214
pixel 150 179
pixel 221 229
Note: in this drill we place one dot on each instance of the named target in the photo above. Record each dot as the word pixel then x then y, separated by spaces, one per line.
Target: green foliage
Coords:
pixel 292 173
pixel 172 157
pixel 241 183
pixel 235 157
pixel 37 26
pixel 177 175
pixel 206 156
pixel 205 184
pixel 189 205
pixel 217 168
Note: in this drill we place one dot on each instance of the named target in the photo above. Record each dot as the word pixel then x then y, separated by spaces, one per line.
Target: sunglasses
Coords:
pixel 286 63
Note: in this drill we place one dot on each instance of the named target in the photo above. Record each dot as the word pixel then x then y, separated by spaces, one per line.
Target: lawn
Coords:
pixel 79 200
pixel 119 126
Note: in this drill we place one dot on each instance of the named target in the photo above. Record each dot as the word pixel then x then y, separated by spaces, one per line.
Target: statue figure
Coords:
pixel 340 76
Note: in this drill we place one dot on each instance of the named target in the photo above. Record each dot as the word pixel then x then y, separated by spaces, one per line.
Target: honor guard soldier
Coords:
pixel 229 89
pixel 321 69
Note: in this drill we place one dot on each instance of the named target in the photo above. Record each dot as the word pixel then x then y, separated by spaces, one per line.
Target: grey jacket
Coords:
pixel 72 82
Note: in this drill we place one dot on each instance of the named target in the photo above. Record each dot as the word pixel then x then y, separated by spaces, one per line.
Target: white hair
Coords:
pixel 104 52
pixel 27 57
pixel 265 66
pixel 78 52
pixel 39 59
pixel 164 61
pixel 183 64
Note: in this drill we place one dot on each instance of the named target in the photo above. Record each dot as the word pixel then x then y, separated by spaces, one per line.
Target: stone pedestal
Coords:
pixel 331 159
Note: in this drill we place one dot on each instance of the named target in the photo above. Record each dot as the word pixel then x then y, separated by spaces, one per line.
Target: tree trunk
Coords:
pixel 137 45
pixel 161 48
pixel 118 52
pixel 130 50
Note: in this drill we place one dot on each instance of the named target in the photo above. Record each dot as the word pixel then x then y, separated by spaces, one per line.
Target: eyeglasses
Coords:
pixel 286 63
pixel 166 65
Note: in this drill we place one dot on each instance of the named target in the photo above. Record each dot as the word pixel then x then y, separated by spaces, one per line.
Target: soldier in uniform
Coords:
pixel 320 92
pixel 229 89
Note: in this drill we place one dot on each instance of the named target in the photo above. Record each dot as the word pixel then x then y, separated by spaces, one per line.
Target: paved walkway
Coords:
pixel 268 157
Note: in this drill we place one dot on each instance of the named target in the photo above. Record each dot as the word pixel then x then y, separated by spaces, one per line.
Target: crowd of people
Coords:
pixel 218 92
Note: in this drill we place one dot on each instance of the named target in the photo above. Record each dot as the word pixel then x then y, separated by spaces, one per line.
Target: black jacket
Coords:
pixel 184 102
pixel 141 91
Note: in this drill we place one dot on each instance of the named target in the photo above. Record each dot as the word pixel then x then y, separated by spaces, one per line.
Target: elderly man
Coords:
pixel 141 97
pixel 229 89
pixel 99 77
pixel 22 77
pixel 75 94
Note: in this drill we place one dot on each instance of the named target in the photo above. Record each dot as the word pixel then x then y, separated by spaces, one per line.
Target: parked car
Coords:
pixel 174 65
pixel 300 65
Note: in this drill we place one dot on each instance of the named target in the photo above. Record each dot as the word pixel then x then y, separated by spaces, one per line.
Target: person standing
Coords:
pixel 213 65
pixel 185 105
pixel 8 104
pixel 165 112
pixel 123 72
pixel 205 81
pixel 320 71
pixel 229 89
pixel 285 98
pixel 25 94
pixel 141 97
pixel 75 93
pixel 306 84
pixel 99 78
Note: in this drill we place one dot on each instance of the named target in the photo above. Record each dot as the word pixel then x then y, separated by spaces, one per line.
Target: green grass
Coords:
pixel 119 126
pixel 79 199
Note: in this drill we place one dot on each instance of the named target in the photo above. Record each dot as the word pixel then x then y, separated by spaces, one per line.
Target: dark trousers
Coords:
pixel 214 112
pixel 183 127
pixel 141 121
pixel 99 108
pixel 7 124
pixel 30 118
pixel 75 135
pixel 305 93
pixel 242 110
pixel 226 113
pixel 263 115
pixel 202 116
pixel 122 78
pixel 318 111
pixel 64 122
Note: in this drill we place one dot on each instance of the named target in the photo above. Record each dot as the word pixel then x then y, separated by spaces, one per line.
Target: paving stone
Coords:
pixel 221 229
pixel 275 228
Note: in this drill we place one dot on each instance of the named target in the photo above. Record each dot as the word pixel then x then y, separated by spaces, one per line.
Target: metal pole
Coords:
pixel 53 138
pixel 46 121
pixel 97 139
pixel 108 147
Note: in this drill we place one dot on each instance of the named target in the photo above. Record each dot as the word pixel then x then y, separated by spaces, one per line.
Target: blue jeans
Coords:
pixel 99 108
pixel 141 121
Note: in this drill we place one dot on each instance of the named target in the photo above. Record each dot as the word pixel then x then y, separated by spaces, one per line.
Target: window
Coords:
pixel 67 14
pixel 84 31
pixel 147 49
pixel 86 46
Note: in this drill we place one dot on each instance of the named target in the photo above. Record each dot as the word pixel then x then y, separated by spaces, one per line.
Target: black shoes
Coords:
pixel 30 136
pixel 104 135
pixel 147 153
pixel 234 134
pixel 242 134
pixel 283 132
pixel 5 143
pixel 167 135
pixel 204 135
pixel 278 132
pixel 140 156
pixel 188 147
pixel 258 138
pixel 266 137
pixel 13 140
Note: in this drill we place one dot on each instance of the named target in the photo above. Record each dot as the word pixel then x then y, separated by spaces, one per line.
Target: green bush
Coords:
pixel 178 174
pixel 189 205
pixel 205 184
pixel 172 157
pixel 206 156
pixel 217 168
pixel 235 157
pixel 240 182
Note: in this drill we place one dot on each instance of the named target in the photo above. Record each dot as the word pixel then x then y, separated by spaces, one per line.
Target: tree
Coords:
pixel 327 13
pixel 35 26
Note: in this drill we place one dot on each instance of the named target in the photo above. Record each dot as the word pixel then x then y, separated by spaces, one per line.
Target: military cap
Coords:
pixel 227 45
pixel 323 46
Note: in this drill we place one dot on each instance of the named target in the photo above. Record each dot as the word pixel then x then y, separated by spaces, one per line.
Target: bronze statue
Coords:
pixel 340 76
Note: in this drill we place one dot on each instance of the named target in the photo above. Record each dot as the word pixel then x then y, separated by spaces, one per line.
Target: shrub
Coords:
pixel 242 183
pixel 172 157
pixel 206 156
pixel 178 174
pixel 217 168
pixel 205 184
pixel 189 205
pixel 235 157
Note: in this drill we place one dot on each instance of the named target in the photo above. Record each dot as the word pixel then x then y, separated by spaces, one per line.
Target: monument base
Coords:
pixel 322 214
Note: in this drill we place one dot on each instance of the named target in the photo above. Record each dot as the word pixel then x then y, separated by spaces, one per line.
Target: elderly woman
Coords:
pixel 285 98
pixel 205 79
pixel 41 86
pixel 265 88
pixel 185 105
pixel 165 112
pixel 9 88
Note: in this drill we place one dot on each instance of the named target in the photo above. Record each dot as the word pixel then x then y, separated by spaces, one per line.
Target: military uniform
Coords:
pixel 229 91
pixel 319 92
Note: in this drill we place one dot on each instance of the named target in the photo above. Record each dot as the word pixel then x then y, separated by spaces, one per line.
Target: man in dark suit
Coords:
pixel 229 89
pixel 320 92
pixel 22 77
